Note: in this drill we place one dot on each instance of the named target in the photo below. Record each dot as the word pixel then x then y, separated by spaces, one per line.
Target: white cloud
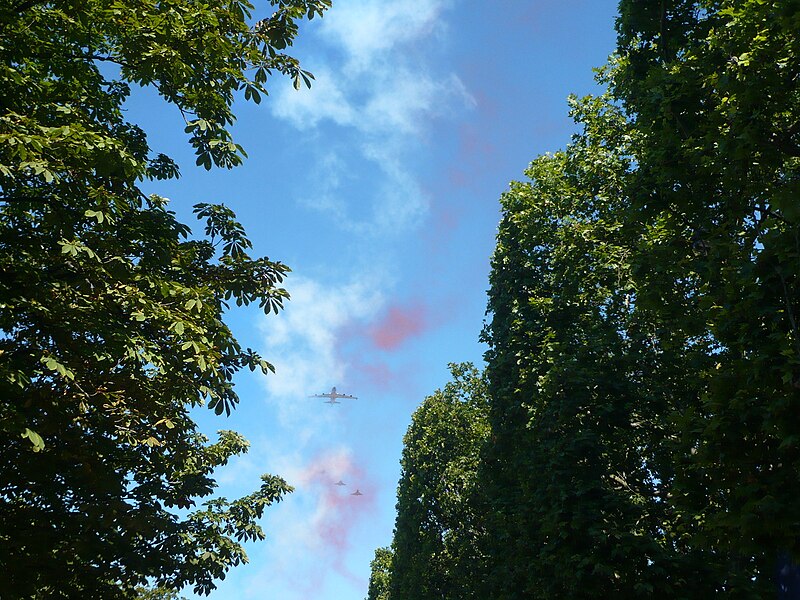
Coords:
pixel 377 87
pixel 329 174
pixel 367 29
pixel 391 102
pixel 311 531
pixel 388 128
pixel 305 108
pixel 396 199
pixel 302 342
pixel 402 201
pixel 406 98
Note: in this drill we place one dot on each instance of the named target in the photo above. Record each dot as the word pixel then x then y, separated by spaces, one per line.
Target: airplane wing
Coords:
pixel 321 396
pixel 347 396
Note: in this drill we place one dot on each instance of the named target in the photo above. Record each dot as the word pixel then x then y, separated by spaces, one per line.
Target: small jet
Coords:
pixel 357 493
pixel 333 395
pixel 340 482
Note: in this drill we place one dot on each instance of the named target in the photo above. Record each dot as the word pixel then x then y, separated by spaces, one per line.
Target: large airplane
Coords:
pixel 333 395
pixel 357 493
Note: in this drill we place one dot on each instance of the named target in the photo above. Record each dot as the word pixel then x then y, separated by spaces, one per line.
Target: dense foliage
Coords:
pixel 111 317
pixel 584 399
pixel 713 89
pixel 380 575
pixel 434 552
pixel 643 338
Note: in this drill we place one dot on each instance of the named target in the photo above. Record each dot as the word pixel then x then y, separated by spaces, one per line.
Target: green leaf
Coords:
pixel 34 438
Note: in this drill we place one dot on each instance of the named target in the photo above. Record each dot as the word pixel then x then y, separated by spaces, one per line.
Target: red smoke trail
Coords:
pixel 398 325
pixel 337 512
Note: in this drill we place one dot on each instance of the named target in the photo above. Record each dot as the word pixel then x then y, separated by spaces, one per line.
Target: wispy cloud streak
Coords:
pixel 381 95
pixel 302 340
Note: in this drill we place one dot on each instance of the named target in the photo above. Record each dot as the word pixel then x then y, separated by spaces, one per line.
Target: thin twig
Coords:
pixel 789 310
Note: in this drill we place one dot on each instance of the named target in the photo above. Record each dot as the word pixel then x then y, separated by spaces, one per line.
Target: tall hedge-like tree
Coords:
pixel 584 391
pixel 713 88
pixel 437 545
pixel 111 317
pixel 643 341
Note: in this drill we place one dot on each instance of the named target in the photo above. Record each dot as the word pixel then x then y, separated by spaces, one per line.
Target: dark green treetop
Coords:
pixel 436 545
pixel 643 341
pixel 584 390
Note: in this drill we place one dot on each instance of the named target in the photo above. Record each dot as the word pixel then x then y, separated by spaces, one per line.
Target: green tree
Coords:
pixel 436 546
pixel 380 575
pixel 643 337
pixel 111 317
pixel 584 392
pixel 711 86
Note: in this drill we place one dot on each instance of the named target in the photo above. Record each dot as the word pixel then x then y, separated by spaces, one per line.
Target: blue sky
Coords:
pixel 379 187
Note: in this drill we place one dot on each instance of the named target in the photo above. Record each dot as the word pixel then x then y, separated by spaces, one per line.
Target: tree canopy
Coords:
pixel 584 388
pixel 435 549
pixel 111 312
pixel 712 87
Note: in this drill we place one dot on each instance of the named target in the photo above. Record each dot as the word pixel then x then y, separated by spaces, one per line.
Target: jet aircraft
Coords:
pixel 357 493
pixel 340 482
pixel 333 395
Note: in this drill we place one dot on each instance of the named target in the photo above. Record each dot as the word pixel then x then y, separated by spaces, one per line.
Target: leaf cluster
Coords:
pixel 111 313
pixel 380 575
